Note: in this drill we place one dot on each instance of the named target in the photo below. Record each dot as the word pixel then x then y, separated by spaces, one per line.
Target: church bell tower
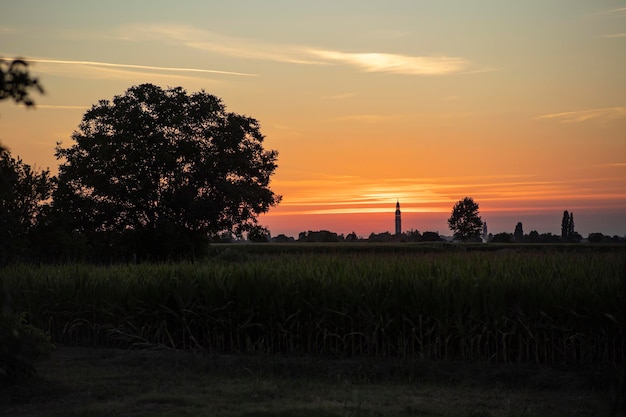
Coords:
pixel 398 219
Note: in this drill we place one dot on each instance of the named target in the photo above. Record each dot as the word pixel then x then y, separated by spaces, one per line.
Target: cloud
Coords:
pixel 252 49
pixel 620 11
pixel 604 115
pixel 615 35
pixel 614 165
pixel 140 67
pixel 497 193
pixel 368 118
pixel 341 96
pixel 399 64
pixel 111 71
pixel 284 129
pixel 213 42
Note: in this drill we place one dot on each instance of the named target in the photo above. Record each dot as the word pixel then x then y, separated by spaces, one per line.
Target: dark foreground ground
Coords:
pixel 107 382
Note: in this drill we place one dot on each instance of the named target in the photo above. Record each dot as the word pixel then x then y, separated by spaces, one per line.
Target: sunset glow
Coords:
pixel 519 105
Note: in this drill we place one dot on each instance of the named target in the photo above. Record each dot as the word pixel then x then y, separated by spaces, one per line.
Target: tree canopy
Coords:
pixel 23 193
pixel 16 82
pixel 518 235
pixel 159 162
pixel 568 232
pixel 465 221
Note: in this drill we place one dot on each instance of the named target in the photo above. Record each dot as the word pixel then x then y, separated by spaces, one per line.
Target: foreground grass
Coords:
pixel 107 382
pixel 542 307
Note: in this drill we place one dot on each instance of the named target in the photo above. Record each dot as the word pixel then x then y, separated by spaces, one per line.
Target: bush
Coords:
pixel 21 345
pixel 502 238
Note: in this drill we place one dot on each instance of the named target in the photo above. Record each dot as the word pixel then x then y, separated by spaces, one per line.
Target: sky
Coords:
pixel 520 105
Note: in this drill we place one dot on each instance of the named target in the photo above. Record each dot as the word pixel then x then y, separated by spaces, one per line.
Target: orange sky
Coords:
pixel 520 105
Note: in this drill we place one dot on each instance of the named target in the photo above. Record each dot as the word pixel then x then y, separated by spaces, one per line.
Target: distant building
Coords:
pixel 485 235
pixel 398 219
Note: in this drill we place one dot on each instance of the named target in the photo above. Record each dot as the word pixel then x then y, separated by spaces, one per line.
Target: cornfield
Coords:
pixel 543 306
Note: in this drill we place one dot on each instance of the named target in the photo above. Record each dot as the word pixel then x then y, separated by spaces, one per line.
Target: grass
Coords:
pixel 328 330
pixel 546 307
pixel 104 382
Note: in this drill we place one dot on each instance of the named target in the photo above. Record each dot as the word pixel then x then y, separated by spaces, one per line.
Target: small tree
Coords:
pixel 568 232
pixel 259 234
pixel 465 221
pixel 595 237
pixel 430 237
pixel 502 238
pixel 518 235
pixel 565 225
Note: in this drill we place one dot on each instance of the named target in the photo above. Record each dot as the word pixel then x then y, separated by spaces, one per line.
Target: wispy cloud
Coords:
pixel 328 195
pixel 252 49
pixel 213 42
pixel 341 96
pixel 619 11
pixel 615 35
pixel 614 165
pixel 604 115
pixel 399 64
pixel 140 67
pixel 284 129
pixel 383 118
pixel 368 118
pixel 98 70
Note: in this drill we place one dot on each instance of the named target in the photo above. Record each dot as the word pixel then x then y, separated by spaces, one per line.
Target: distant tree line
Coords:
pixel 534 236
pixel 467 226
pixel 321 236
pixel 568 235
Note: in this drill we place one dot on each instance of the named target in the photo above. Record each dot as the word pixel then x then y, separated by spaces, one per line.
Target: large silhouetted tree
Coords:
pixel 164 168
pixel 465 221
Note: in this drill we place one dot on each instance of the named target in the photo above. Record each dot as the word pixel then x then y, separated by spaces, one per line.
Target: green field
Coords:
pixel 549 305
pixel 329 330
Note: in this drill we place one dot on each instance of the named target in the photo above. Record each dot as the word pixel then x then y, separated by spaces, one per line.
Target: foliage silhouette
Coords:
pixel 16 82
pixel 502 238
pixel 158 170
pixel 518 235
pixel 465 221
pixel 568 232
pixel 23 192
